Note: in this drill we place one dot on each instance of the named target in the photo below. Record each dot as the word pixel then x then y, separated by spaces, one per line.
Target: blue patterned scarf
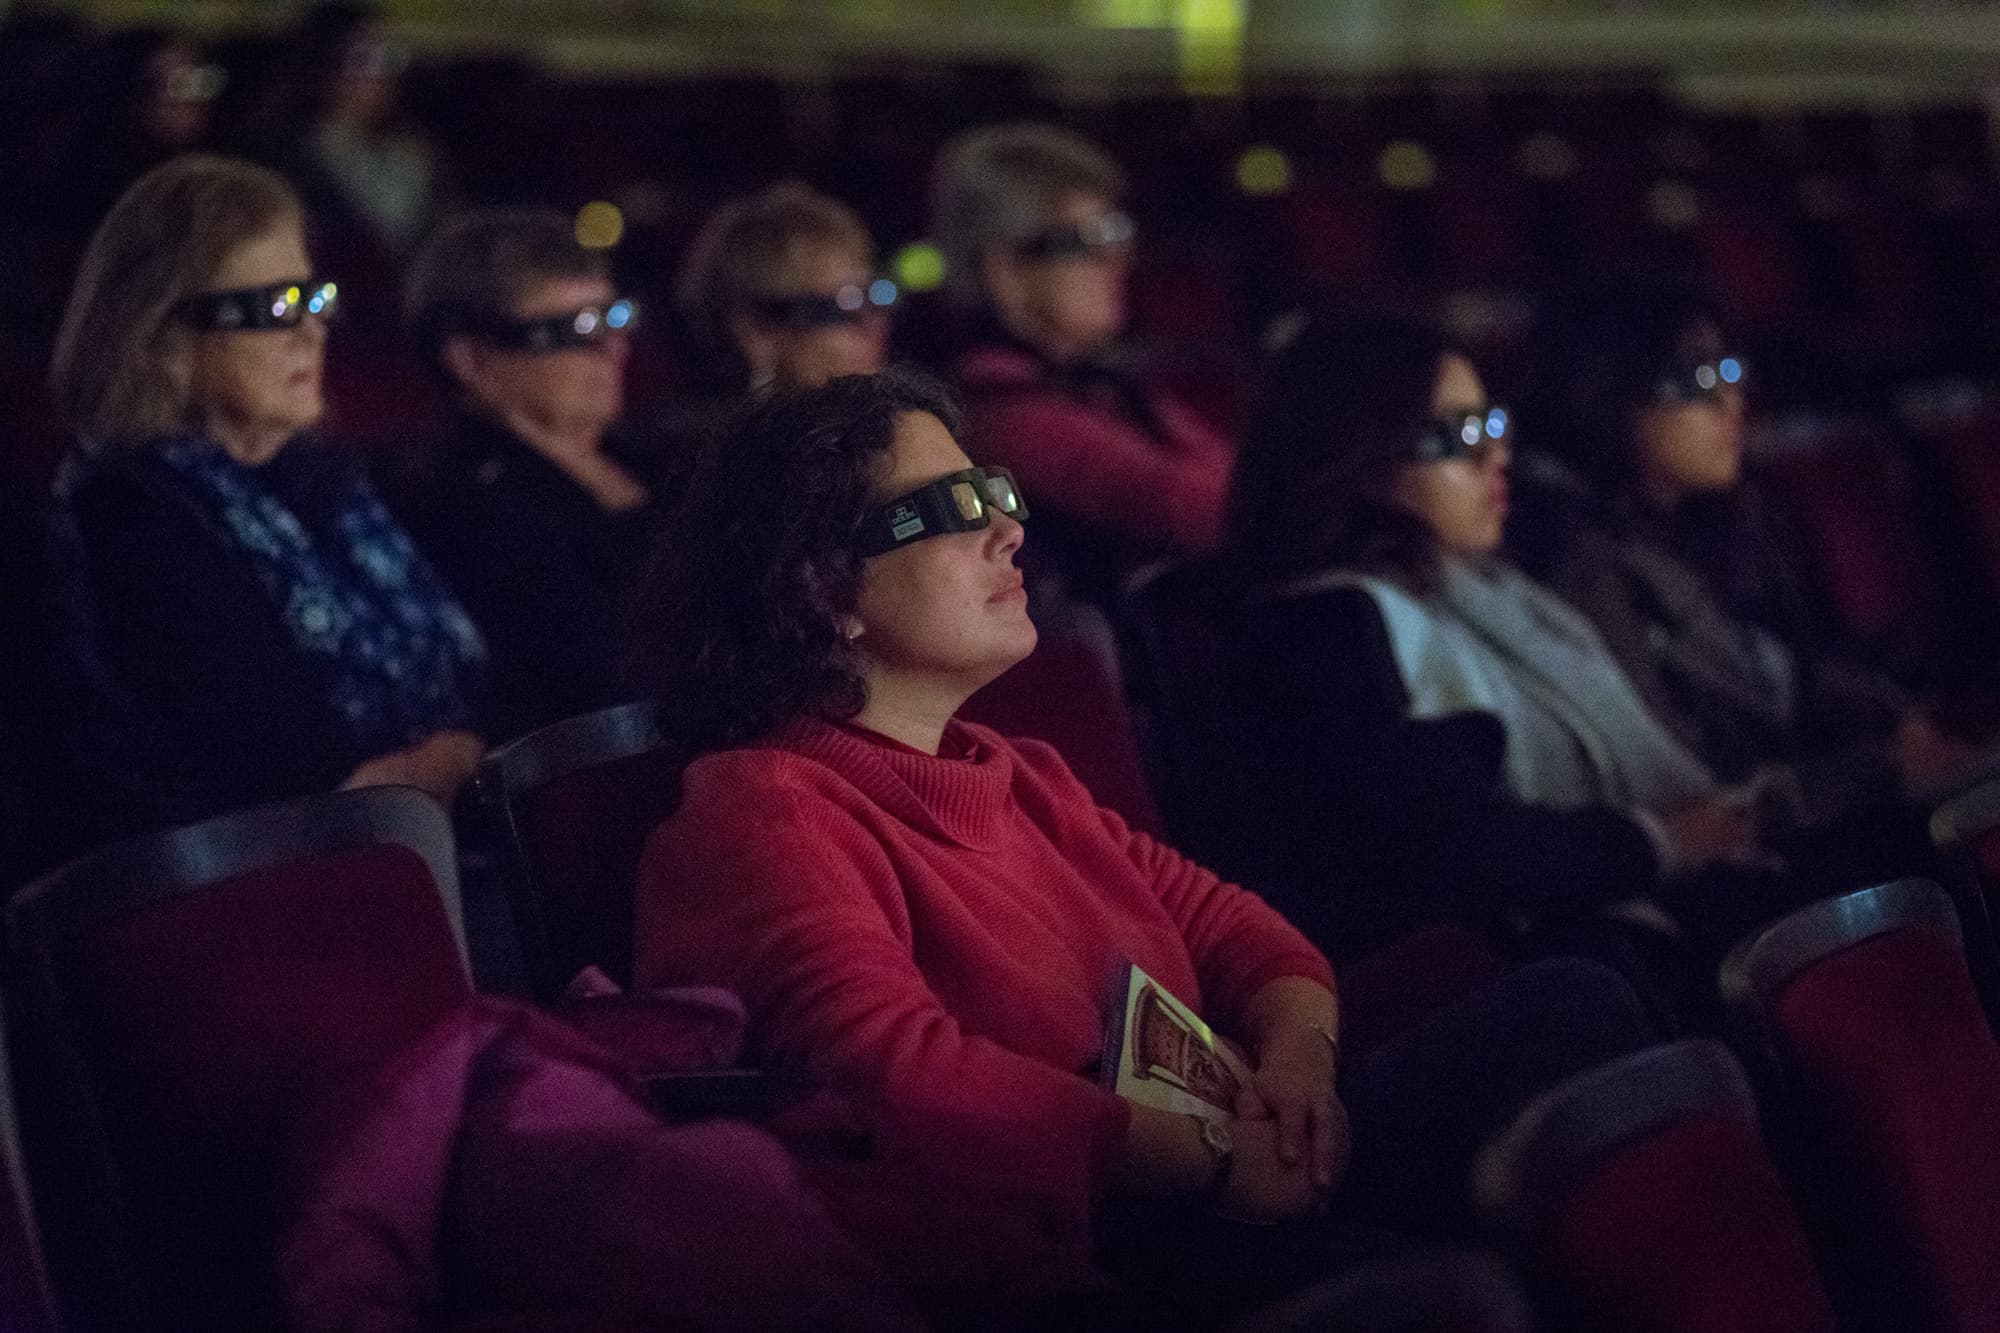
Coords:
pixel 399 655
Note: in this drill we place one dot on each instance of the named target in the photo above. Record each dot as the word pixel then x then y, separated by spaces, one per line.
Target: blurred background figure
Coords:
pixel 1637 512
pixel 780 288
pixel 536 525
pixel 158 94
pixel 247 622
pixel 1379 637
pixel 1037 251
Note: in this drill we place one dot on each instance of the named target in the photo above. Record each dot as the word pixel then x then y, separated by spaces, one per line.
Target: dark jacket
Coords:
pixel 1363 822
pixel 541 568
pixel 189 696
pixel 1709 618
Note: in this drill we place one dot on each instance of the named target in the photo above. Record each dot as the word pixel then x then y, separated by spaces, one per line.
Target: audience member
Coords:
pixel 1637 516
pixel 155 97
pixel 931 917
pixel 257 625
pixel 535 526
pixel 1037 249
pixel 1380 636
pixel 780 288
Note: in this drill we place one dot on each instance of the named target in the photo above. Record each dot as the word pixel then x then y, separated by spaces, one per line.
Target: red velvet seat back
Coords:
pixel 1689 1230
pixel 1902 1074
pixel 203 1024
pixel 1070 693
pixel 1853 503
pixel 581 836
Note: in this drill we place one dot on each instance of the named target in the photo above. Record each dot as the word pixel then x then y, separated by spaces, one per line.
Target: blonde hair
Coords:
pixel 115 372
pixel 749 244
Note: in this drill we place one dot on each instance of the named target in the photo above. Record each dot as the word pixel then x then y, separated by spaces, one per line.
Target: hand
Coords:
pixel 1293 1088
pixel 439 764
pixel 1262 1186
pixel 1928 760
pixel 1713 831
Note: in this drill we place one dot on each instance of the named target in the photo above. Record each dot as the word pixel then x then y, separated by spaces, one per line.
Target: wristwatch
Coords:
pixel 1220 1144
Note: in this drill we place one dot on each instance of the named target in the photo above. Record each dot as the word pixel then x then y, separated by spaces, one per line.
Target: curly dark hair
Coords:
pixel 1343 403
pixel 738 627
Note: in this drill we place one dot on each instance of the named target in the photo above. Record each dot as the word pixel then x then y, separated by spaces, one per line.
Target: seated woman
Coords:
pixel 1037 250
pixel 534 522
pixel 259 626
pixel 1381 637
pixel 1637 515
pixel 780 288
pixel 934 919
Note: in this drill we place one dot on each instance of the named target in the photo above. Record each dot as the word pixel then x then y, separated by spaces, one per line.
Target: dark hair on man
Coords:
pixel 740 625
pixel 476 267
pixel 1598 353
pixel 1343 404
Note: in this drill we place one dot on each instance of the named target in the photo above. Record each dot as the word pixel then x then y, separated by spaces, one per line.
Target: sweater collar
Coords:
pixel 962 794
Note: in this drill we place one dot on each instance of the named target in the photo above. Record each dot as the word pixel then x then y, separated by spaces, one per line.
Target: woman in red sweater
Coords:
pixel 917 911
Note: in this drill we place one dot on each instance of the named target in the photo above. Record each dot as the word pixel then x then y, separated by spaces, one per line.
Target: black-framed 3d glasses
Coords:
pixel 280 305
pixel 583 327
pixel 1463 436
pixel 1077 240
pixel 959 502
pixel 1704 380
pixel 852 304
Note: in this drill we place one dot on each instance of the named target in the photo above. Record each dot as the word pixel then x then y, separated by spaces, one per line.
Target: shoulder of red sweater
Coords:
pixel 728 774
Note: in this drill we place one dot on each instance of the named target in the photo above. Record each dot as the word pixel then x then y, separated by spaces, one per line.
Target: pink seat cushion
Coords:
pixel 1689 1231
pixel 1898 1060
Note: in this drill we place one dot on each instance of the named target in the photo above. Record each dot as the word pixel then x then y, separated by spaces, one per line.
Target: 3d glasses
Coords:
pixel 959 502
pixel 1077 240
pixel 850 305
pixel 1693 383
pixel 1459 437
pixel 278 306
pixel 585 327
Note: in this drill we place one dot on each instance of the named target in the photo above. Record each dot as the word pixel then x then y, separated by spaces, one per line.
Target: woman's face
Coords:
pixel 1692 444
pixel 254 389
pixel 799 334
pixel 1463 501
pixel 572 391
pixel 1069 305
pixel 947 611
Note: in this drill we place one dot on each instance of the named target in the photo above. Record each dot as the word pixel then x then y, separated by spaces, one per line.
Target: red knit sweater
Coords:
pixel 941 936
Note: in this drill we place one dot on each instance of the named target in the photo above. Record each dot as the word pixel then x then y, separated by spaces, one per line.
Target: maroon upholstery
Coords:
pixel 205 1023
pixel 1070 693
pixel 1902 1073
pixel 581 836
pixel 24 1285
pixel 1393 990
pixel 1688 1230
pixel 1853 503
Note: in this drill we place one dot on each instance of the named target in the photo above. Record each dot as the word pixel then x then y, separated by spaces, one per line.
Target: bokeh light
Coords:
pixel 599 225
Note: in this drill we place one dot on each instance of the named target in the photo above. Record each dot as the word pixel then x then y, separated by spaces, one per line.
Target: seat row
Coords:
pixel 175 1002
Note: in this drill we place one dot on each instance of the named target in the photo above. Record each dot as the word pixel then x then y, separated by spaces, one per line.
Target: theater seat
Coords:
pixel 193 993
pixel 1426 1291
pixel 1966 833
pixel 27 1305
pixel 1863 1007
pixel 1070 692
pixel 574 803
pixel 1642 1196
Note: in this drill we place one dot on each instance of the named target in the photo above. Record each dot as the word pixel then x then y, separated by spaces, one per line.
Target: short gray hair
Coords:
pixel 998 185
